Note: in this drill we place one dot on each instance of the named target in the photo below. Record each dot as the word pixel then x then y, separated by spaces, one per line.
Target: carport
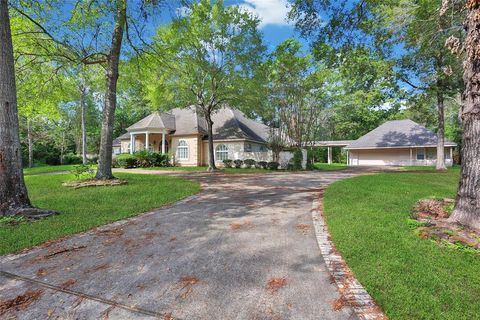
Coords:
pixel 330 144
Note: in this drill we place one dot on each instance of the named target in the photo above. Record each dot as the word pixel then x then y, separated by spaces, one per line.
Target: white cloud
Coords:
pixel 270 12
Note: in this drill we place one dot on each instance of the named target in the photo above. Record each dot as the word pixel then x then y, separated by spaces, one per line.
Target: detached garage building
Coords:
pixel 398 143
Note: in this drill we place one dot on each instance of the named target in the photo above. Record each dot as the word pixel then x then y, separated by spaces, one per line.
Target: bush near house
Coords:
pixel 238 163
pixel 249 163
pixel 261 165
pixel 297 160
pixel 227 163
pixel 272 165
pixel 126 161
pixel 142 159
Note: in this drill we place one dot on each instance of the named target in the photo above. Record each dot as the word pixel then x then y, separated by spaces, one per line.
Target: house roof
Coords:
pixel 228 124
pixel 397 134
pixel 156 120
pixel 117 141
pixel 332 143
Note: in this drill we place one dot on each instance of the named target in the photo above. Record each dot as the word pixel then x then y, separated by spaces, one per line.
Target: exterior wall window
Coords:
pixel 182 150
pixel 129 147
pixel 263 149
pixel 248 147
pixel 431 154
pixel 420 154
pixel 221 152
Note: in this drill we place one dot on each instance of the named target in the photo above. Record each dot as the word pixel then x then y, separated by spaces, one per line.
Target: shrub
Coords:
pixel 261 165
pixel 249 163
pixel 227 163
pixel 83 172
pixel 147 159
pixel 72 158
pixel 238 163
pixel 273 165
pixel 297 159
pixel 51 159
pixel 126 161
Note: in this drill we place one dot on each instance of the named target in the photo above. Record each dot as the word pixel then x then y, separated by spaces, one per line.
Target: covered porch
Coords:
pixel 153 140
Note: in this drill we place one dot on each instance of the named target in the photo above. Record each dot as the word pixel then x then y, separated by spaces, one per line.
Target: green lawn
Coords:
pixel 48 169
pixel 85 208
pixel 409 277
pixel 329 167
pixel 204 169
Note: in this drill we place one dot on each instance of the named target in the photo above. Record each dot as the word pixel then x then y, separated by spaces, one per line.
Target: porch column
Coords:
pixel 146 140
pixel 411 156
pixel 329 155
pixel 132 143
pixel 348 157
pixel 163 142
pixel 451 155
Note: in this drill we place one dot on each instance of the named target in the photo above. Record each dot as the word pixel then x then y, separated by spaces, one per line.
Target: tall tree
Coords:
pixel 82 38
pixel 467 204
pixel 207 58
pixel 104 170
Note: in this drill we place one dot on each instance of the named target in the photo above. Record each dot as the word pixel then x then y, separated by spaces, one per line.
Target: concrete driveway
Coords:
pixel 244 248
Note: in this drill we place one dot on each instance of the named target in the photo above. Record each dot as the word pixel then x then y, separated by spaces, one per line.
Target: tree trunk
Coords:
pixel 104 170
pixel 30 143
pixel 467 204
pixel 13 193
pixel 84 127
pixel 211 155
pixel 441 130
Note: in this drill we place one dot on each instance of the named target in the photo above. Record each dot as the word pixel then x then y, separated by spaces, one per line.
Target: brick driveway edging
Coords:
pixel 352 292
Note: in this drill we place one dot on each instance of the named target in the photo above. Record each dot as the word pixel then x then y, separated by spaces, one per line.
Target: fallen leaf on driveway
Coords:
pixel 274 284
pixel 303 228
pixel 20 302
pixel 68 283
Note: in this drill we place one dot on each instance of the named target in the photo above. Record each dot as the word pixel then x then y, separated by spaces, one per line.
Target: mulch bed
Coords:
pixel 433 224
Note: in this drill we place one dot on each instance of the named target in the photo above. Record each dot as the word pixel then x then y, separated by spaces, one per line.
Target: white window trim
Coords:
pixel 182 147
pixel 223 151
pixel 424 154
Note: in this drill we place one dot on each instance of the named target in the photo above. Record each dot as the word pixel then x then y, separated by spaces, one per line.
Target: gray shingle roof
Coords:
pixel 117 141
pixel 228 124
pixel 156 120
pixel 395 134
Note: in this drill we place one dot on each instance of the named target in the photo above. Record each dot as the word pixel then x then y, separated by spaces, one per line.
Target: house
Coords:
pixel 399 143
pixel 182 132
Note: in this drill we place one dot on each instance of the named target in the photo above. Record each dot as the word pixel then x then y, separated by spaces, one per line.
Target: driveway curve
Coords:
pixel 244 248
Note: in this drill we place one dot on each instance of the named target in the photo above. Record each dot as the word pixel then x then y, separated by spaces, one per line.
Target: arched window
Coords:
pixel 182 150
pixel 221 152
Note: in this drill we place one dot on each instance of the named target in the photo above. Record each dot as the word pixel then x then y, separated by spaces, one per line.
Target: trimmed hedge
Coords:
pixel 238 163
pixel 227 163
pixel 261 165
pixel 273 165
pixel 249 163
pixel 142 159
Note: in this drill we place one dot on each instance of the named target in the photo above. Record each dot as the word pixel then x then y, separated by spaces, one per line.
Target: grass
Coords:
pixel 48 169
pixel 409 277
pixel 425 168
pixel 83 209
pixel 329 167
pixel 204 169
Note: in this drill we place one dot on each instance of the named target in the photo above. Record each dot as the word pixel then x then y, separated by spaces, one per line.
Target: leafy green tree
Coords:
pixel 206 58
